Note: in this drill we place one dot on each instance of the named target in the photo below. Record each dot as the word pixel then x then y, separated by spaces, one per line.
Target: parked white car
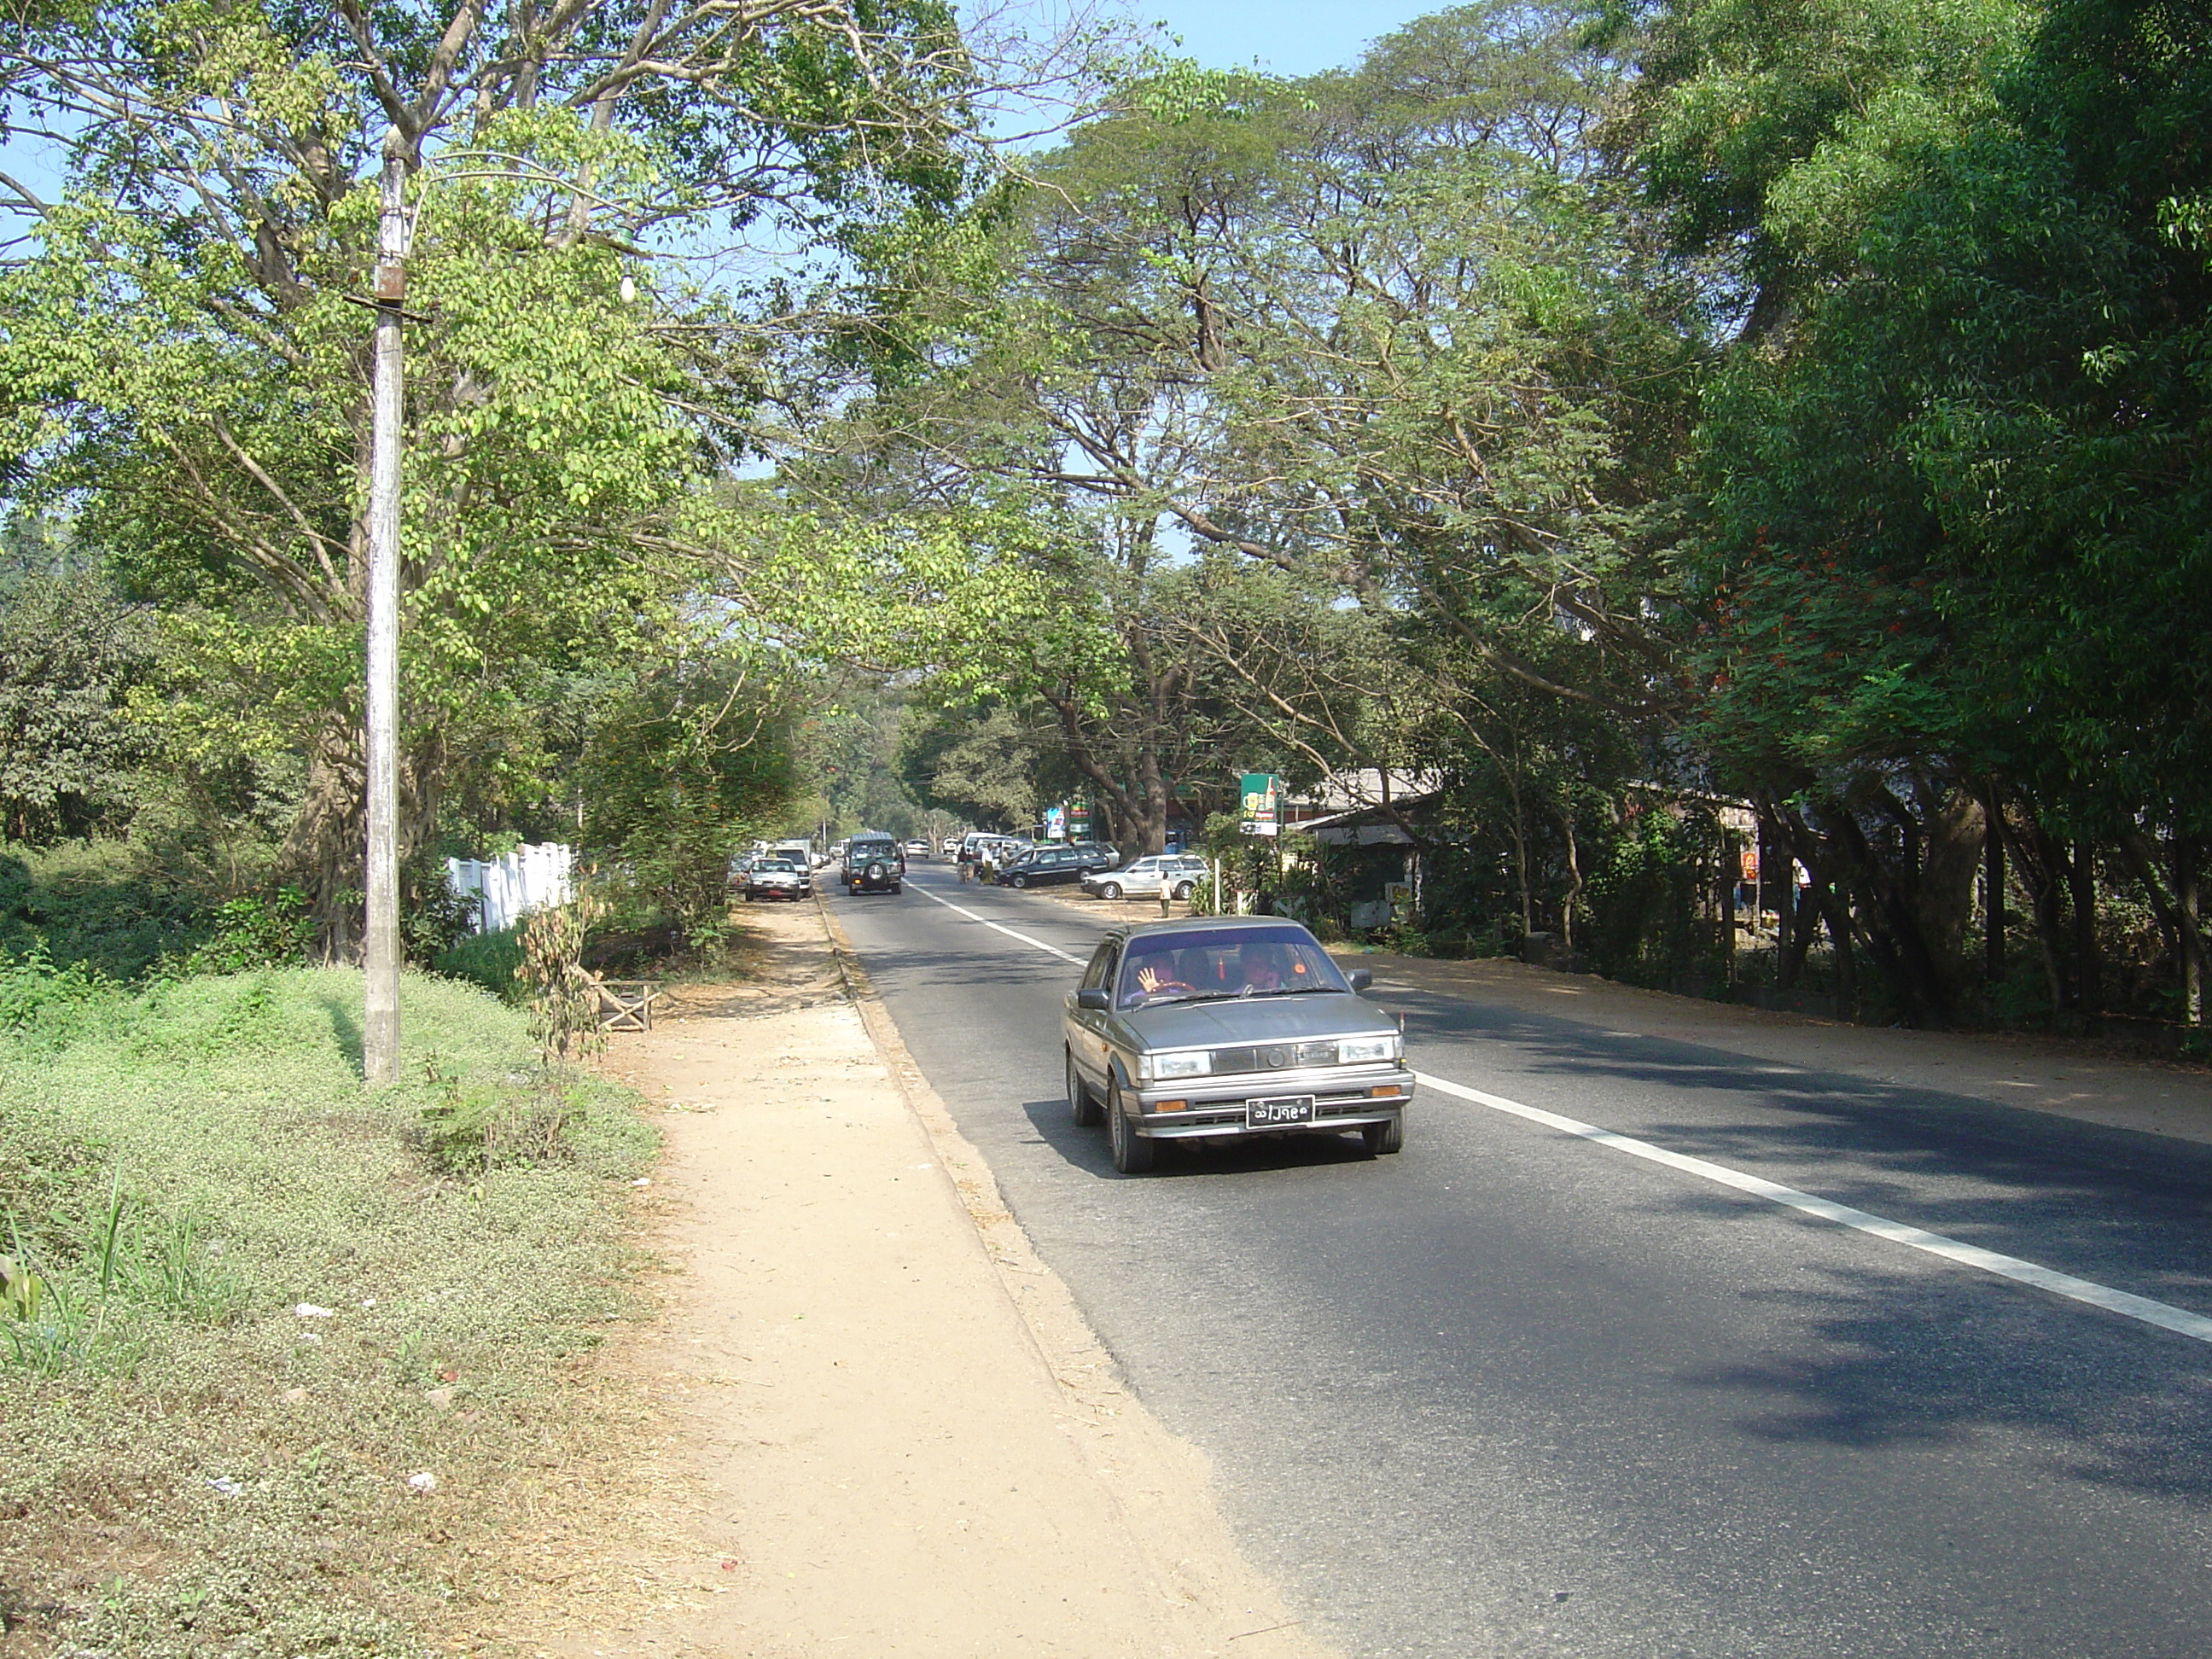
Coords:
pixel 1176 873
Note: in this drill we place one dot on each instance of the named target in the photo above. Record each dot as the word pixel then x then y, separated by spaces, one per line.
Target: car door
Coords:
pixel 1086 1037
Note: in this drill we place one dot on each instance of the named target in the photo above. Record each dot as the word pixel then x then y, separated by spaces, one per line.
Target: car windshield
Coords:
pixel 1259 960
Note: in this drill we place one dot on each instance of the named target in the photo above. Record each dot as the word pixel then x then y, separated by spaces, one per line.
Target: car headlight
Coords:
pixel 1357 1051
pixel 1162 1066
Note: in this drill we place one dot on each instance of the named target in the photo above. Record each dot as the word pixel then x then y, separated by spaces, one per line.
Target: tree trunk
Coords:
pixel 1892 925
pixel 1574 892
pixel 2082 898
pixel 1836 911
pixel 323 852
pixel 2038 860
pixel 1954 838
pixel 1728 873
pixel 2192 931
pixel 1153 796
pixel 1993 892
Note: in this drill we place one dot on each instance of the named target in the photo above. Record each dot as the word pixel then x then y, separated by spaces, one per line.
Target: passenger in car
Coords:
pixel 1260 967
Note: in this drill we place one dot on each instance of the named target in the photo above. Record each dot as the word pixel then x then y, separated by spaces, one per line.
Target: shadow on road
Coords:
pixel 2104 1202
pixel 1086 1149
pixel 1908 1359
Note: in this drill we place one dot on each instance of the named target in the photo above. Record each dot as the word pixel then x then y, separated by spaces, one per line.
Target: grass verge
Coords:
pixel 276 1355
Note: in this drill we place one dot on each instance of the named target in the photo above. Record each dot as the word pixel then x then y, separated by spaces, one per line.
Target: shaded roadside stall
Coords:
pixel 1366 864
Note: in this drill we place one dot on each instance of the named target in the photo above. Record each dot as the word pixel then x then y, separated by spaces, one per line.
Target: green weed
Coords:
pixel 228 1275
pixel 486 959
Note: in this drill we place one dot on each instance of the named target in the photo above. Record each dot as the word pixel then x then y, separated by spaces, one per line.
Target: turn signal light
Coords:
pixel 1384 1091
pixel 1171 1105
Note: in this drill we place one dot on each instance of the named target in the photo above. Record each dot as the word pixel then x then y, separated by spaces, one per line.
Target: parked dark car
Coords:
pixel 873 864
pixel 1223 1027
pixel 1044 867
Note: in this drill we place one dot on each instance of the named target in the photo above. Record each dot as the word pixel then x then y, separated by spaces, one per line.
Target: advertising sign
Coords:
pixel 1079 820
pixel 1055 824
pixel 1261 812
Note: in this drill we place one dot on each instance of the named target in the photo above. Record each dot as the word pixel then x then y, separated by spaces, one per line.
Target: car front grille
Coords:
pixel 1271 1057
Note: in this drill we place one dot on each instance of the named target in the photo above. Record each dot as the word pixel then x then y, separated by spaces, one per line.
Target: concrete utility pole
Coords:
pixel 379 1025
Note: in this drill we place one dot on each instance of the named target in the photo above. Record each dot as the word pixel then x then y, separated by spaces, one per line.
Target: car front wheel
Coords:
pixel 1018 881
pixel 1082 1105
pixel 1133 1153
pixel 1109 890
pixel 1383 1139
pixel 1182 889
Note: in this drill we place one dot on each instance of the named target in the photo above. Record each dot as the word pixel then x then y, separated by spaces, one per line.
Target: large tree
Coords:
pixel 1953 561
pixel 185 363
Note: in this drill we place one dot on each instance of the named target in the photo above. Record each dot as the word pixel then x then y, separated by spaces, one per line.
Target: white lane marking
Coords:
pixel 1010 933
pixel 2124 1303
pixel 2160 1314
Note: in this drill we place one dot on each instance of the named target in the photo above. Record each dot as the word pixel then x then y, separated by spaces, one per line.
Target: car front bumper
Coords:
pixel 1344 1098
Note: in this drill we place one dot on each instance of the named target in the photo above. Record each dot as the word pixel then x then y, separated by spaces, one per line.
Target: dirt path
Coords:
pixel 878 1426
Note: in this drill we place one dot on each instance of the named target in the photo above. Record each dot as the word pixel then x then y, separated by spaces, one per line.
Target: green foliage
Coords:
pixel 35 994
pixel 685 768
pixel 473 1128
pixel 183 1172
pixel 256 932
pixel 186 375
pixel 100 904
pixel 992 767
pixel 490 960
pixel 69 654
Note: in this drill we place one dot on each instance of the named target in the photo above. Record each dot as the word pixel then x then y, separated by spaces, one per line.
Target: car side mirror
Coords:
pixel 1094 997
pixel 1359 979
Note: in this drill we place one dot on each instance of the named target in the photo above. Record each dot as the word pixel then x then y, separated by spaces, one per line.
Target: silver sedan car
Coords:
pixel 1218 1027
pixel 1145 878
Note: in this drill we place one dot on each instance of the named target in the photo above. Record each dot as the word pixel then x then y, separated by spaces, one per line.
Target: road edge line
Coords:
pixel 2087 1291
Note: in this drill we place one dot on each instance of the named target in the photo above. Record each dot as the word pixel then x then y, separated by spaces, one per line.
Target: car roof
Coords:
pixel 1205 925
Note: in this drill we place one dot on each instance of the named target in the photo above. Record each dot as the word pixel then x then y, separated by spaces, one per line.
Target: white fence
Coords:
pixel 508 889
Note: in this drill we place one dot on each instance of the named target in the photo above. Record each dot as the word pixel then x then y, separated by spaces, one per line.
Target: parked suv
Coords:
pixel 1175 873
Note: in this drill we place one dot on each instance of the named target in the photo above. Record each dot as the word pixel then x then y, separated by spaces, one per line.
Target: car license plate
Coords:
pixel 1283 1109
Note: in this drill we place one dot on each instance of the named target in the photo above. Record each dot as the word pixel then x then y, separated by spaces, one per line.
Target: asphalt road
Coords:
pixel 1513 1392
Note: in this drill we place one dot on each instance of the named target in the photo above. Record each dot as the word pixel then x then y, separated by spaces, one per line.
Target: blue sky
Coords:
pixel 1289 37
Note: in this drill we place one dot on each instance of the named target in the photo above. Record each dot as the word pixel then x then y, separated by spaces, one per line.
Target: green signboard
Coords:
pixel 1261 811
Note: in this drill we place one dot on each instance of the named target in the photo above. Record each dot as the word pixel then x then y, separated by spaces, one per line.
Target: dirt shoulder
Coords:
pixel 878 1424
pixel 2040 1074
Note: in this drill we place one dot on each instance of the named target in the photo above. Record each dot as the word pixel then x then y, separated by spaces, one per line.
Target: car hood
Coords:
pixel 1255 1020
